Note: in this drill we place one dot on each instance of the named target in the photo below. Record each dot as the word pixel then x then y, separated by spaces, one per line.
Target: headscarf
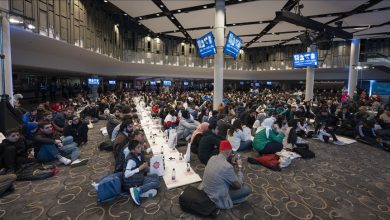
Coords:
pixel 267 125
pixel 199 130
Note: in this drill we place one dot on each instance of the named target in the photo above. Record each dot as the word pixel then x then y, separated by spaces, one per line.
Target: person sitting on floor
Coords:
pixel 123 137
pixel 269 140
pixel 325 125
pixel 52 147
pixel 77 129
pixel 186 126
pixel 13 151
pixel 171 121
pixel 208 144
pixel 197 135
pixel 30 123
pixel 237 137
pixel 91 112
pixel 59 118
pixel 220 182
pixel 112 121
pixel 368 135
pixel 135 177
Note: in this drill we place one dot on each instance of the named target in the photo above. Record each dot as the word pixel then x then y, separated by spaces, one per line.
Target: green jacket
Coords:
pixel 261 139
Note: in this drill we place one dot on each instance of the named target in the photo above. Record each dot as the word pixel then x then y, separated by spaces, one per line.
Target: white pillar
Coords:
pixel 218 58
pixel 309 78
pixel 353 62
pixel 7 79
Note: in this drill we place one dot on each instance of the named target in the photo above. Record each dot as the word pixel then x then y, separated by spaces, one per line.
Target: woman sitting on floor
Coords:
pixel 237 138
pixel 269 140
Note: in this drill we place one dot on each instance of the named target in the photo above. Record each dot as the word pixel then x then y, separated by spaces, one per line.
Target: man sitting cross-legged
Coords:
pixel 52 147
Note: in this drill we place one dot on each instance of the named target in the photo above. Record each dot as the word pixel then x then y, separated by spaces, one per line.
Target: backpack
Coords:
pixel 35 171
pixel 109 188
pixel 195 201
pixel 106 145
pixel 303 150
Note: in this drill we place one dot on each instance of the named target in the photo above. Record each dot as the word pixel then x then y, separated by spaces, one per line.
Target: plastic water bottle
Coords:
pixel 173 174
pixel 188 167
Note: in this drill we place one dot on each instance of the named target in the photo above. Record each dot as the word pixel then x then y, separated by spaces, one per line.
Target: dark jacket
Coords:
pixel 208 146
pixel 79 132
pixel 223 127
pixel 91 112
pixel 112 122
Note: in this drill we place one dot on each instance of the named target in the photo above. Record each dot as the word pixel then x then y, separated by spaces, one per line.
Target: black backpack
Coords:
pixel 303 150
pixel 195 201
pixel 35 171
pixel 106 145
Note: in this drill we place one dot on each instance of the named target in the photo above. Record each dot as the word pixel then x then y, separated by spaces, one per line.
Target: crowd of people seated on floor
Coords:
pixel 256 120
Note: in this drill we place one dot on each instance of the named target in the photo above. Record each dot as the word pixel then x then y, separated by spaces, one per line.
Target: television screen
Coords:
pixel 305 59
pixel 233 45
pixel 167 83
pixel 269 83
pixel 206 45
pixel 111 82
pixel 380 88
pixel 257 84
pixel 241 83
pixel 185 83
pixel 93 81
pixel 152 83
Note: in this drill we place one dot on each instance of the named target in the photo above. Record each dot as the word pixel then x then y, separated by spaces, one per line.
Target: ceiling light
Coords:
pixel 260 22
pixel 161 6
pixel 158 14
pixel 140 18
pixel 172 17
pixel 204 6
pixel 234 24
pixel 179 26
pixel 139 24
pixel 361 28
pixel 15 21
pixel 30 26
pixel 105 1
pixel 240 0
pixel 125 14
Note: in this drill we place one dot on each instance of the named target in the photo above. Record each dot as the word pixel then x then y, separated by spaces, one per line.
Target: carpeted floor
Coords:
pixel 342 182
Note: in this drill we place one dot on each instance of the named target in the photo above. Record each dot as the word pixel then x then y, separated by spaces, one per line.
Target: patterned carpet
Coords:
pixel 342 182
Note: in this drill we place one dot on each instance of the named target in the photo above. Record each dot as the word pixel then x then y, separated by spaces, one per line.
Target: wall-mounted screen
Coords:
pixel 233 45
pixel 185 83
pixel 93 81
pixel 305 59
pixel 269 83
pixel 167 83
pixel 111 82
pixel 152 83
pixel 206 45
pixel 257 84
pixel 380 88
pixel 242 83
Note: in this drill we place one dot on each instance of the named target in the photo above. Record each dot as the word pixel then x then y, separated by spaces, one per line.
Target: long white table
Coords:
pixel 158 144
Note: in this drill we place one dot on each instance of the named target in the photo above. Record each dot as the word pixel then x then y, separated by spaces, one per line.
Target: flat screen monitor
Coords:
pixel 152 83
pixel 257 84
pixel 233 45
pixel 269 83
pixel 380 88
pixel 167 83
pixel 185 83
pixel 93 81
pixel 305 59
pixel 111 82
pixel 206 45
pixel 242 83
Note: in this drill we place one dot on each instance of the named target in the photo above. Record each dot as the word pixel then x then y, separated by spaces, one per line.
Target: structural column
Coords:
pixel 353 63
pixel 6 79
pixel 218 58
pixel 309 78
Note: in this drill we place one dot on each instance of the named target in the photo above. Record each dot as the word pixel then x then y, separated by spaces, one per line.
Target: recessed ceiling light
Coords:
pixel 234 24
pixel 15 21
pixel 105 1
pixel 158 14
pixel 140 18
pixel 139 24
pixel 161 6
pixel 240 0
pixel 125 14
pixel 172 17
pixel 179 26
pixel 204 6
pixel 30 26
pixel 179 10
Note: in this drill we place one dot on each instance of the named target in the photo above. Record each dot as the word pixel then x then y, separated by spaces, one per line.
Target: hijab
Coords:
pixel 267 125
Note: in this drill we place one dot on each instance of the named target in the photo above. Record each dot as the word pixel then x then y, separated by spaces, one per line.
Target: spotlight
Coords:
pixel 31 27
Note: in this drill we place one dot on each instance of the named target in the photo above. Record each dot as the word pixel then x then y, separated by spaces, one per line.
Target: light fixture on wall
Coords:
pixel 15 20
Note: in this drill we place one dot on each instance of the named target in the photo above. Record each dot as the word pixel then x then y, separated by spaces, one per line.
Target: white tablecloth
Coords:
pixel 158 143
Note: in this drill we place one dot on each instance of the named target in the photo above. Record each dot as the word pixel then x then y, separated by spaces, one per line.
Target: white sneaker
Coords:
pixel 79 162
pixel 149 194
pixel 65 160
pixel 339 143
